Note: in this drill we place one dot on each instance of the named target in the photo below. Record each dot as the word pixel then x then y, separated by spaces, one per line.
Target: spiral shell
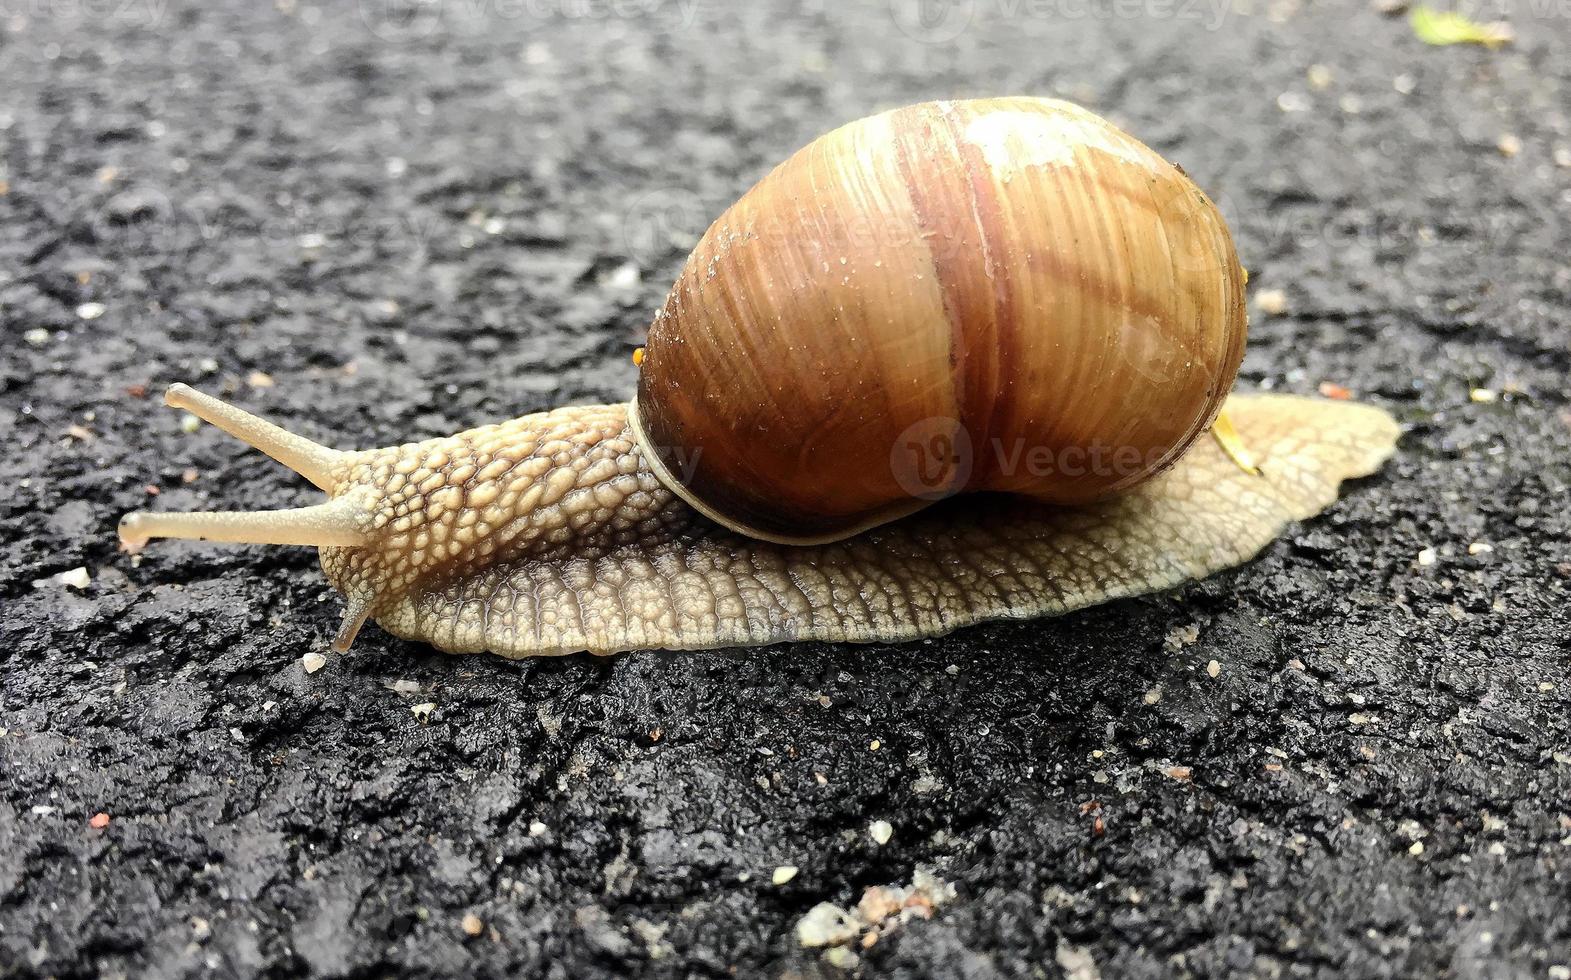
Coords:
pixel 996 295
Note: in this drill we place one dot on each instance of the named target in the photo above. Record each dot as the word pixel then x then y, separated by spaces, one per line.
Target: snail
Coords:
pixel 946 364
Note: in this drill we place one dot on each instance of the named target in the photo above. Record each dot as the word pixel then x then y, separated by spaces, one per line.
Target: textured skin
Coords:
pixel 548 535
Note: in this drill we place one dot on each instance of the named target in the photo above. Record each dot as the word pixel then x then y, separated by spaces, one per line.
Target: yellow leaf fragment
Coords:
pixel 1233 444
pixel 1442 27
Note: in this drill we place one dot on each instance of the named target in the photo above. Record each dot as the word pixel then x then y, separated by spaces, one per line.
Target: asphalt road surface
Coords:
pixel 373 223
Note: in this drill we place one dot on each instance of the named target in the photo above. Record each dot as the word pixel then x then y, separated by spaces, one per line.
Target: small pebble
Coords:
pixel 1319 77
pixel 422 711
pixel 1292 102
pixel 874 745
pixel 1427 557
pixel 91 311
pixel 37 336
pixel 472 925
pixel 1417 848
pixel 1154 695
pixel 1509 145
pixel 537 829
pixel 841 958
pixel 313 662
pixel 259 379
pixel 76 578
pixel 881 831
pixel 1480 548
pixel 189 423
pixel 624 277
pixel 783 874
pixel 99 821
pixel 1271 301
pixel 1563 156
pixel 1214 669
pixel 1404 84
pixel 825 924
pixel 1484 396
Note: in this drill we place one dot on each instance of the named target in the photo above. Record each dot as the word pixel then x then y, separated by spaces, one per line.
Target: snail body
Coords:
pixel 946 364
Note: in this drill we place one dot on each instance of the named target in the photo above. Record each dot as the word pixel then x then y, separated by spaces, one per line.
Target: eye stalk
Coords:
pixel 344 521
pixel 339 522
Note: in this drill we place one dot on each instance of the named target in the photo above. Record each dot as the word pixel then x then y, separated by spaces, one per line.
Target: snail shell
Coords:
pixel 899 309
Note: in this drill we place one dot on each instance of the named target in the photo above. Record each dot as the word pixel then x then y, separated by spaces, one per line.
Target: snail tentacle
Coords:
pixel 340 522
pixel 337 523
pixel 315 462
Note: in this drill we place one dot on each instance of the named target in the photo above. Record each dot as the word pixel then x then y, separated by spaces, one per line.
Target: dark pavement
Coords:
pixel 376 224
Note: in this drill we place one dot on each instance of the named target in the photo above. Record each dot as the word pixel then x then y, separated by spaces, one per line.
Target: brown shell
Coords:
pixel 1001 294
